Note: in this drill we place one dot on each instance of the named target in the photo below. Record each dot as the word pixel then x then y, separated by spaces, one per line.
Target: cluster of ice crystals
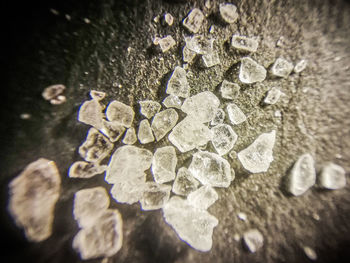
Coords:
pixel 177 84
pixel 211 59
pixel 253 239
pixel 229 90
pixel 164 164
pixel 90 112
pixel 130 136
pixel 218 118
pixel 154 196
pixel 256 158
pixel 211 169
pixel 184 182
pixel 163 122
pixel 300 66
pixel 332 176
pixel 244 43
pixel 144 133
pixel 120 113
pixel 282 68
pixel 149 108
pixel 251 72
pixel 228 12
pixel 81 169
pixel 223 138
pixel 272 96
pixel 200 44
pixel 166 43
pixel 172 102
pixel 194 20
pixel 303 175
pixel 188 55
pixel 235 114
pixel 203 197
pixel 112 130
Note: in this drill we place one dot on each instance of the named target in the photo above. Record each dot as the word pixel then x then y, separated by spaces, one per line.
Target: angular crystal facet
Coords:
pixel 228 12
pixel 194 20
pixel 184 182
pixel 223 138
pixel 235 114
pixel 130 136
pixel 90 113
pixel 177 84
pixel 145 134
pixel 188 55
pixel 272 96
pixel 164 164
pixel 203 197
pixel 211 59
pixel 332 176
pixel 244 43
pixel 229 90
pixel 120 113
pixel 154 196
pixel 282 68
pixel 97 95
pixel 200 44
pixel 300 66
pixel 149 108
pixel 218 118
pixel 163 122
pixel 81 169
pixel 166 43
pixel 172 102
pixel 251 72
pixel 253 239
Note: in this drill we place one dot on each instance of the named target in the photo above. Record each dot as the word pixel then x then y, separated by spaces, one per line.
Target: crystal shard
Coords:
pixel 81 169
pixel 211 169
pixel 218 118
pixel 256 158
pixel 223 138
pixel 177 84
pixel 229 90
pixel 203 197
pixel 244 43
pixel 90 113
pixel 303 175
pixel 235 114
pixel 97 95
pixel 211 59
pixel 300 66
pixel 228 12
pixel 332 176
pixel 188 55
pixel 112 130
pixel 166 43
pixel 154 196
pixel 32 198
pixel 200 44
pixel 172 102
pixel 184 182
pixel 144 133
pixel 194 20
pixel 251 72
pixel 163 122
pixel 120 113
pixel 164 164
pixel 194 226
pixel 282 68
pixel 253 239
pixel 272 96
pixel 149 108
pixel 130 136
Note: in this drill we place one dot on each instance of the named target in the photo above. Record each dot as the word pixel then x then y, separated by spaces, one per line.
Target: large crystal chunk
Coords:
pixel 200 44
pixel 282 68
pixel 188 55
pixel 250 71
pixel 130 136
pixel 235 114
pixel 112 130
pixel 177 84
pixel 172 102
pixel 272 96
pixel 229 90
pixel 244 43
pixel 163 122
pixel 144 133
pixel 211 59
pixel 164 164
pixel 149 108
pixel 218 118
pixel 223 138
pixel 90 112
pixel 228 12
pixel 120 113
pixel 194 20
pixel 253 239
pixel 332 176
pixel 203 197
pixel 184 182
pixel 300 66
pixel 81 169
pixel 154 196
pixel 166 43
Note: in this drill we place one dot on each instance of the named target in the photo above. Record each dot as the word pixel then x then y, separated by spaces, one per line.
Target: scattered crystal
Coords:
pixel 211 59
pixel 202 106
pixel 194 20
pixel 332 176
pixel 90 112
pixel 58 100
pixel 166 43
pixel 32 198
pixel 172 102
pixel 228 12
pixel 256 158
pixel 282 68
pixel 164 164
pixel 53 91
pixel 97 95
pixel 218 118
pixel 163 122
pixel 188 55
pixel 203 197
pixel 112 130
pixel 229 90
pixel 184 182
pixel 242 216
pixel 300 66
pixel 200 44
pixel 169 19
pixel 250 71
pixel 121 113
pixel 194 226
pixel 223 138
pixel 272 96
pixel 149 108
pixel 154 196
pixel 244 43
pixel 303 175
pixel 211 169
pixel 130 136
pixel 145 134
pixel 253 239
pixel 310 253
pixel 235 114
pixel 177 84
pixel 81 169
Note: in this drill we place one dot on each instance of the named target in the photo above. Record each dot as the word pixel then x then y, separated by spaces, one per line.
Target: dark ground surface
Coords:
pixel 116 48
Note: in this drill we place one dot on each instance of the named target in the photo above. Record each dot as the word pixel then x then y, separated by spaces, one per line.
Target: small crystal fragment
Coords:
pixel 300 66
pixel 144 133
pixel 172 102
pixel 202 106
pixel 177 84
pixel 244 43
pixel 112 130
pixel 203 197
pixel 184 182
pixel 166 43
pixel 164 164
pixel 200 44
pixel 154 196
pixel 253 239
pixel 228 12
pixel 229 90
pixel 130 136
pixel 53 91
pixel 211 169
pixel 169 19
pixel 58 100
pixel 303 175
pixel 163 122
pixel 194 20
pixel 223 138
pixel 211 59
pixel 120 113
pixel 97 95
pixel 256 158
pixel 149 108
pixel 332 176
pixel 81 169
pixel 250 71
pixel 235 114
pixel 32 198
pixel 218 118
pixel 310 253
pixel 282 68
pixel 188 55
pixel 242 216
pixel 272 96
pixel 90 112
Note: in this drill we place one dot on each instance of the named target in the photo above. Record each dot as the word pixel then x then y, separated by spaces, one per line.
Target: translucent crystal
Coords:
pixel 194 20
pixel 235 114
pixel 96 146
pixel 32 198
pixel 163 122
pixel 166 43
pixel 169 19
pixel 256 158
pixel 253 239
pixel 112 130
pixel 184 182
pixel 282 68
pixel 129 191
pixel 89 204
pixel 202 106
pixel 228 12
pixel 154 196
pixel 164 164
pixel 189 134
pixel 310 253
pixel 120 113
pixel 200 44
pixel 130 136
pixel 211 169
pixel 58 100
pixel 144 133
pixel 223 138
pixel 203 197
pixel 97 95
pixel 194 226
pixel 272 96
pixel 300 66
pixel 53 91
pixel 172 102
pixel 188 55
pixel 244 43
pixel 149 108
pixel 332 176
pixel 229 90
pixel 250 71
pixel 90 112
pixel 81 169
pixel 218 118
pixel 211 59
pixel 303 175
pixel 177 84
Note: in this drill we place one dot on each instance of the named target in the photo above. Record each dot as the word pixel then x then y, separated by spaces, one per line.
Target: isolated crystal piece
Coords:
pixel 97 95
pixel 310 253
pixel 218 118
pixel 203 197
pixel 200 44
pixel 282 68
pixel 163 122
pixel 96 147
pixel 235 114
pixel 229 90
pixel 177 84
pixel 272 96
pixel 103 239
pixel 256 158
pixel 303 175
pixel 228 12
pixel 120 113
pixel 130 136
pixel 194 226
pixel 169 19
pixel 53 91
pixel 154 196
pixel 188 55
pixel 184 182
pixel 172 102
pixel 166 43
pixel 253 239
pixel 211 169
pixel 244 43
pixel 202 106
pixel 164 164
pixel 144 133
pixel 211 59
pixel 90 112
pixel 149 108
pixel 251 72
pixel 112 130
pixel 81 169
pixel 189 134
pixel 332 176
pixel 58 100
pixel 194 20
pixel 32 198
pixel 300 66
pixel 242 216
pixel 223 138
